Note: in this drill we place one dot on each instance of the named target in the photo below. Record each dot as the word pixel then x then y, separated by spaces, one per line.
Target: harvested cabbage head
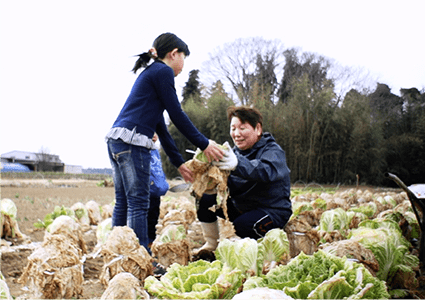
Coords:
pixel 8 208
pixel 261 293
pixel 200 155
pixel 246 255
pixel 197 280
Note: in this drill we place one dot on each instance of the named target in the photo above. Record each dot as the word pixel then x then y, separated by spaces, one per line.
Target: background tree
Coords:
pixel 404 127
pixel 192 88
pixel 306 115
pixel 44 160
pixel 361 144
pixel 314 66
pixel 236 63
pixel 387 110
pixel 265 76
pixel 217 126
pixel 329 136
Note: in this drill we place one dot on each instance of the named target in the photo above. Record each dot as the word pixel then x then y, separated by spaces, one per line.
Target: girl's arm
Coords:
pixel 168 144
pixel 167 95
pixel 171 150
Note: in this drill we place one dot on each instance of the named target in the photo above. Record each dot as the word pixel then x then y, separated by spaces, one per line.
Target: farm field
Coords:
pixel 35 198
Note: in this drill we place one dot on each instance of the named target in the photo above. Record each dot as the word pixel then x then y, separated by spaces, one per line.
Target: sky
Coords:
pixel 65 66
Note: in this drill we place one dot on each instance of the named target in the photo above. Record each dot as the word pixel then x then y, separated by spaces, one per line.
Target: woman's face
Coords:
pixel 243 134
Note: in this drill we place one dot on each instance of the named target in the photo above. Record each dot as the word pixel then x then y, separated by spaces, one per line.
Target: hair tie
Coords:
pixel 152 53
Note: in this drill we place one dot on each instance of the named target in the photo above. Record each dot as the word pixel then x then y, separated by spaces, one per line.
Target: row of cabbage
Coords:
pixel 350 244
pixel 346 245
pixel 56 267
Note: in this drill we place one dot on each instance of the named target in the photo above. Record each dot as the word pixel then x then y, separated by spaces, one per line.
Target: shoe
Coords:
pixel 211 235
pixel 158 270
pixel 204 255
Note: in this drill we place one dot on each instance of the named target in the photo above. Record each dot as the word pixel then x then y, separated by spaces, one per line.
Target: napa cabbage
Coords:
pixel 8 207
pixel 57 212
pixel 334 219
pixel 320 203
pixel 172 233
pixel 300 206
pixel 261 293
pixel 380 223
pixel 388 245
pixel 246 254
pixel 4 290
pixel 369 209
pixel 387 200
pixel 276 245
pixel 321 276
pixel 352 214
pixel 103 230
pixel 200 155
pixel 197 280
pixel 414 224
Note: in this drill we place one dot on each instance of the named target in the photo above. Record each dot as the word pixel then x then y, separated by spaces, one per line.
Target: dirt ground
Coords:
pixel 35 199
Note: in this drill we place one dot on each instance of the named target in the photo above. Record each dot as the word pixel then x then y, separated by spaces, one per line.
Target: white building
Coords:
pixel 34 161
pixel 73 169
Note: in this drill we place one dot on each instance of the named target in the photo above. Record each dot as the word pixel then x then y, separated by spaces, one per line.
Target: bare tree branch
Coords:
pixel 234 63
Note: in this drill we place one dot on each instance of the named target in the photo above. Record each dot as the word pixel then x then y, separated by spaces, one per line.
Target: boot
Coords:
pixel 211 236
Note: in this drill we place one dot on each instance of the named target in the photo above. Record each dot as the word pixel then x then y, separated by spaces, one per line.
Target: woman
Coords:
pixel 259 182
pixel 130 138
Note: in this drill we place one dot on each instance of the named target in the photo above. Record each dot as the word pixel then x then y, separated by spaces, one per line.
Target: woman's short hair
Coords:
pixel 246 114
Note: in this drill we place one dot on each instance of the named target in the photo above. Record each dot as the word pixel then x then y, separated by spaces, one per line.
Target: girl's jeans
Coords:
pixel 131 174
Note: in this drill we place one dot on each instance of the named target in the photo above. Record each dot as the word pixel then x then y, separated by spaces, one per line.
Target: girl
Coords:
pixel 130 138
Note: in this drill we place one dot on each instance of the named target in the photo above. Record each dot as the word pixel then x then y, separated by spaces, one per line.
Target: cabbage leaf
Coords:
pixel 334 219
pixel 8 207
pixel 276 245
pixel 321 275
pixel 389 247
pixel 245 254
pixel 197 280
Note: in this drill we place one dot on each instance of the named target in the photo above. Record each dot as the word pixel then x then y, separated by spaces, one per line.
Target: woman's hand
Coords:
pixel 213 152
pixel 186 173
pixel 229 162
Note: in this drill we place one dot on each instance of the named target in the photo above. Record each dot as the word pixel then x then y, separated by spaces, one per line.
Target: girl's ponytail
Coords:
pixel 143 60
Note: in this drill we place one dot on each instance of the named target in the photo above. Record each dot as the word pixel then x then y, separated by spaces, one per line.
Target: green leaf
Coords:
pixel 276 245
pixel 335 219
pixel 246 254
pixel 321 275
pixel 197 280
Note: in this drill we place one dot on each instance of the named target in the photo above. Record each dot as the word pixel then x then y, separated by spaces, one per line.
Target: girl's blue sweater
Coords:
pixel 152 93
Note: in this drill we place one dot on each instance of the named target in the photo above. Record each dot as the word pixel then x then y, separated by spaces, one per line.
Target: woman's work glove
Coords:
pixel 229 160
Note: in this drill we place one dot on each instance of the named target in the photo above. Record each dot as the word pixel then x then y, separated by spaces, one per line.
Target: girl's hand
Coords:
pixel 186 173
pixel 213 152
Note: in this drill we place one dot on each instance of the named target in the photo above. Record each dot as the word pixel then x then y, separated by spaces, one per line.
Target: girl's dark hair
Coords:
pixel 163 44
pixel 246 114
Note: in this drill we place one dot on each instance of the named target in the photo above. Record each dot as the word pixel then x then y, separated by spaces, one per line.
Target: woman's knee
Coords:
pixel 253 225
pixel 203 212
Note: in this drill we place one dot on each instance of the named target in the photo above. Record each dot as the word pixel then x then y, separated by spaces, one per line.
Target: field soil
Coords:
pixel 35 198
